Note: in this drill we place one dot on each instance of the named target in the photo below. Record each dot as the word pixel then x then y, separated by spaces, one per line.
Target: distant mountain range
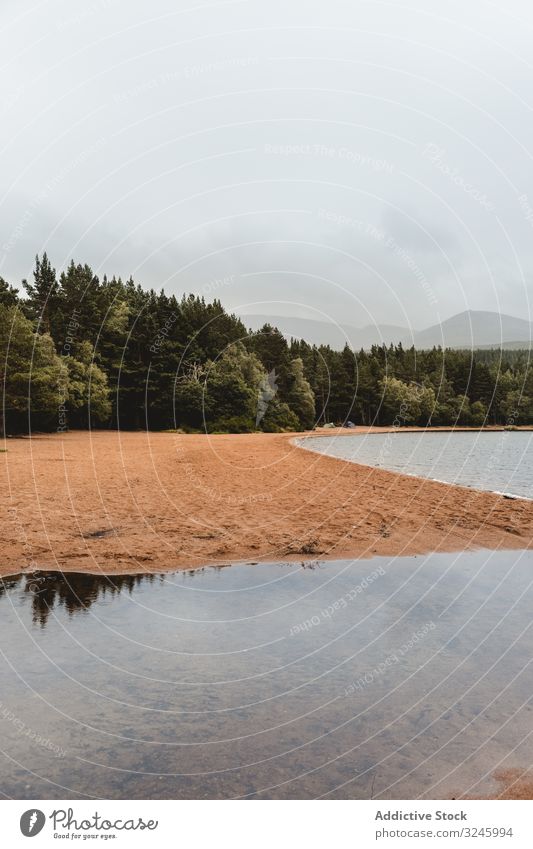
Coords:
pixel 470 329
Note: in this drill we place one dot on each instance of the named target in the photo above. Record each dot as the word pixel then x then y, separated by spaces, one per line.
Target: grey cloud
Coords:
pixel 158 140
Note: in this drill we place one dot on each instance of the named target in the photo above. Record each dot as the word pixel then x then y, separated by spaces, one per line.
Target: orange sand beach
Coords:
pixel 114 502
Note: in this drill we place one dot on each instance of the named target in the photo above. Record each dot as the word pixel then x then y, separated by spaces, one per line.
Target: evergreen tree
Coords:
pixel 43 300
pixel 300 395
pixel 8 295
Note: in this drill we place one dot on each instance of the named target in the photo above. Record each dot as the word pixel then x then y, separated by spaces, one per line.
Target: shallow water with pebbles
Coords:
pixel 390 677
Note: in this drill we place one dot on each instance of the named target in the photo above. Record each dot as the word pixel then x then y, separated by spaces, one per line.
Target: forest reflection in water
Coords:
pixel 75 592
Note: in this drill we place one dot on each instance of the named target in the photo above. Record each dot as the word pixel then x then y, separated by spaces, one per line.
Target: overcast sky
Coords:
pixel 350 161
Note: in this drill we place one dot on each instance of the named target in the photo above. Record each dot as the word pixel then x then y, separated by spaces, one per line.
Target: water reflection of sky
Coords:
pixel 410 676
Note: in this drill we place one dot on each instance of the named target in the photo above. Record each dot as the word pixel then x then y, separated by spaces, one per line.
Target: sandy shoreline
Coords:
pixel 114 502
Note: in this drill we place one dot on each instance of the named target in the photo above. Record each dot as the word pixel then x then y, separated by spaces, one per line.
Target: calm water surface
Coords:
pixel 392 678
pixel 497 461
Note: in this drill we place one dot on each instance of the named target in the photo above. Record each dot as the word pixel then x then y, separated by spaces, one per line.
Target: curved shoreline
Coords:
pixel 513 496
pixel 117 502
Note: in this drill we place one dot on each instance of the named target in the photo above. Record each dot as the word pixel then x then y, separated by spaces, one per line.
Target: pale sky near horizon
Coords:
pixel 356 162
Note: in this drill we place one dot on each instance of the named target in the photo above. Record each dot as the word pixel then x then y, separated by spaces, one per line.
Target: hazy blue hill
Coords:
pixel 469 329
pixel 474 329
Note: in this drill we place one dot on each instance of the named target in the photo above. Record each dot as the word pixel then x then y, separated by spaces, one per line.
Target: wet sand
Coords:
pixel 514 783
pixel 116 502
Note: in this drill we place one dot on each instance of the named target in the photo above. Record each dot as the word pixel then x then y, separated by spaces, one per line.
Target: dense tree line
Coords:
pixel 394 385
pixel 79 351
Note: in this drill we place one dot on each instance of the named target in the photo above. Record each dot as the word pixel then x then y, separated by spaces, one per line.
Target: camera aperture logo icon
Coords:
pixel 32 822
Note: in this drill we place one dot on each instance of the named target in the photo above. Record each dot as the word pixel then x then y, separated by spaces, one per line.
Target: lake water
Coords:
pixel 390 677
pixel 497 461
